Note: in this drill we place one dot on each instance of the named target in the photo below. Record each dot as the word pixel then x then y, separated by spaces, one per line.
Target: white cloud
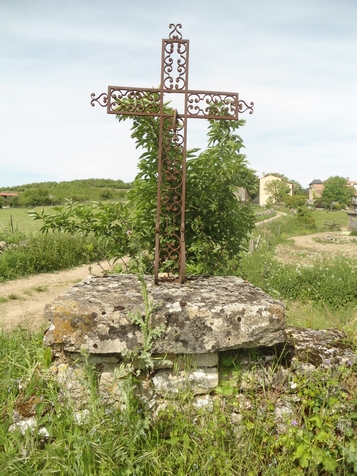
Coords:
pixel 294 58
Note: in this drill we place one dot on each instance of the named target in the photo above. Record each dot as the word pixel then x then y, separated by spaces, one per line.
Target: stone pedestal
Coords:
pixel 204 315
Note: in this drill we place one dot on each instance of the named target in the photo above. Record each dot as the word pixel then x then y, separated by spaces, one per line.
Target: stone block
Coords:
pixel 198 382
pixel 203 316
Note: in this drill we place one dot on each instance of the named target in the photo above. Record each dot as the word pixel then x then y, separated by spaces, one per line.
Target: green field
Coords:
pixel 18 219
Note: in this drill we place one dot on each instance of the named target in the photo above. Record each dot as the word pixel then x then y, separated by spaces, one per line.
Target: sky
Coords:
pixel 295 59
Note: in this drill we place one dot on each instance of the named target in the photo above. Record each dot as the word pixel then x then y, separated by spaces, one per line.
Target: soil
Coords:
pixel 22 301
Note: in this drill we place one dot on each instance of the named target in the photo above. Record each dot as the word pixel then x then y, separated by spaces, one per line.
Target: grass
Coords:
pixel 319 316
pixel 286 226
pixel 46 253
pixel 238 435
pixel 21 221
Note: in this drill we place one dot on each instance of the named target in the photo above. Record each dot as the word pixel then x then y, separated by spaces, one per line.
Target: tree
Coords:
pixel 337 190
pixel 35 197
pixel 277 190
pixel 217 223
pixel 297 188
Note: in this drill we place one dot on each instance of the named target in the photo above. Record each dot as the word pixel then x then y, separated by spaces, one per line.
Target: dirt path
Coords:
pixel 308 247
pixel 22 301
pixel 278 215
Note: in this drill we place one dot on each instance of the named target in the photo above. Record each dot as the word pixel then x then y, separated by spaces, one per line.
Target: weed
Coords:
pixel 143 354
pixel 41 289
pixel 13 297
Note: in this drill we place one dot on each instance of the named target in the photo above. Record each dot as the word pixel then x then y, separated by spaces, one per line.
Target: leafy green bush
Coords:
pixel 46 253
pixel 295 201
pixel 304 216
pixel 217 223
pixel 332 282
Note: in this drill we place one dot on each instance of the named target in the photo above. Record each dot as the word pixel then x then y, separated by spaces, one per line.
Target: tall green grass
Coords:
pixel 233 437
pixel 45 253
pixel 328 281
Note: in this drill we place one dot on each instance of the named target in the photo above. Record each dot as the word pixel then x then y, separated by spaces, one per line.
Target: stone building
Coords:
pixel 263 181
pixel 315 189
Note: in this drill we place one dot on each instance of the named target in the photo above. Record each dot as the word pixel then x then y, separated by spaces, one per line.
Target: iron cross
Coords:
pixel 171 190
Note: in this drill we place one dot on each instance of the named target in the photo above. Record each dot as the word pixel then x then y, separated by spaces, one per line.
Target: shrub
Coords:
pixel 45 253
pixel 295 201
pixel 332 282
pixel 304 216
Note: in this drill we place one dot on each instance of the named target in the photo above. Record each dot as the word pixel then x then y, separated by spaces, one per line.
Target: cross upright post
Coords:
pixel 171 189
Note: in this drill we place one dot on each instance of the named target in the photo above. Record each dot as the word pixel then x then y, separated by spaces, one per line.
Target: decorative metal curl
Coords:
pixel 174 28
pixel 177 66
pixel 212 105
pixel 102 97
pixel 247 108
pixel 134 101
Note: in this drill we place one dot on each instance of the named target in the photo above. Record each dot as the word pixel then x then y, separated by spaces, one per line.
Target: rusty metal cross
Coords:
pixel 171 193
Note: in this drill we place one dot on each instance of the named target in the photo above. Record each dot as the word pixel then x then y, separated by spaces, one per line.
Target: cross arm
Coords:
pixel 215 105
pixel 130 101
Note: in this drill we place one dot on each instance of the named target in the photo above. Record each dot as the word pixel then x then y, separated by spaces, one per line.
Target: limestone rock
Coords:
pixel 199 382
pixel 204 315
pixel 320 347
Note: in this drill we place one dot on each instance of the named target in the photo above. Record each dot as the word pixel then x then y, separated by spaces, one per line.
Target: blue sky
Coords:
pixel 296 59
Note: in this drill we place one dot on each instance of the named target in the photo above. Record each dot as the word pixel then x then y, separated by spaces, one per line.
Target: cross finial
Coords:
pixel 175 34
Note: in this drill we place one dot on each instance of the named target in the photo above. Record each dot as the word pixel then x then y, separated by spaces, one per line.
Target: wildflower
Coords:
pixel 294 423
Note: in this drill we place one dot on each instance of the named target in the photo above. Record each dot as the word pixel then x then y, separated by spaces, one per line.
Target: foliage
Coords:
pixel 216 222
pixel 143 355
pixel 337 190
pixel 43 254
pixel 35 197
pixel 298 189
pixel 332 282
pixel 305 216
pixel 55 193
pixel 294 201
pixel 277 191
pixel 317 437
pixel 108 223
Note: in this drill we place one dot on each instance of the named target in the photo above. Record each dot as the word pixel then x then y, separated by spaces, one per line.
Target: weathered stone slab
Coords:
pixel 205 315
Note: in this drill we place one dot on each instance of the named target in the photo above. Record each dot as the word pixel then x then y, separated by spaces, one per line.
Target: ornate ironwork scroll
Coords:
pixel 171 194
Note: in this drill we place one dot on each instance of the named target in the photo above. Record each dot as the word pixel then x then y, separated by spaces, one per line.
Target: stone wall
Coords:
pixel 212 326
pixel 202 320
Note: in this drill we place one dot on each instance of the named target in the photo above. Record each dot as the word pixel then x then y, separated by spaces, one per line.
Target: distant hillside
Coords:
pixel 54 193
